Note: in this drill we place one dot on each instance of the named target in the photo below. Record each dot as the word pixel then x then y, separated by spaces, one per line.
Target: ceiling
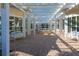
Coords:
pixel 44 11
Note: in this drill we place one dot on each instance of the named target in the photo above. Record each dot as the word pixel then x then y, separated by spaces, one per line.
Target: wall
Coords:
pixel 0 5
pixel 15 11
pixel 74 10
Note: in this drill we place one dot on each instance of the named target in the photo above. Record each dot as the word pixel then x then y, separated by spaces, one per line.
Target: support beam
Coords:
pixel 55 25
pixel 5 29
pixel 34 30
pixel 24 26
pixel 61 24
pixel 50 26
pixel 66 27
pixel 29 26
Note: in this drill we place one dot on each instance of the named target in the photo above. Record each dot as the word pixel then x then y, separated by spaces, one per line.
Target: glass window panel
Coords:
pixel 73 28
pixel 63 24
pixel 42 25
pixel 77 29
pixel 31 25
pixel 18 24
pixel 46 25
pixel 74 21
pixel 58 24
pixel 69 29
pixel 69 24
pixel 77 20
pixel 69 21
pixel 52 25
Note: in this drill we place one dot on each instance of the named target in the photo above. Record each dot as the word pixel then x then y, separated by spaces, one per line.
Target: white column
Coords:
pixel 66 27
pixel 60 24
pixel 5 29
pixel 55 25
pixel 34 30
pixel 39 26
pixel 50 26
pixel 29 26
pixel 24 26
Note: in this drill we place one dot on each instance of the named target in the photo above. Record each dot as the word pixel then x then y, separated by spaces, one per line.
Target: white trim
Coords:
pixel 72 15
pixel 15 16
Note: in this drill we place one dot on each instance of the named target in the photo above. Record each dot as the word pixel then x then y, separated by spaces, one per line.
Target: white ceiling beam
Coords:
pixel 61 15
pixel 61 6
pixel 17 7
pixel 54 14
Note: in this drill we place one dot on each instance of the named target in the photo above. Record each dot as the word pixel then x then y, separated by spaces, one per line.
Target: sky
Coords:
pixel 43 13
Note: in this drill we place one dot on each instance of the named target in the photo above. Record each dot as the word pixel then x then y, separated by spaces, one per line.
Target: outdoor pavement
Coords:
pixel 44 44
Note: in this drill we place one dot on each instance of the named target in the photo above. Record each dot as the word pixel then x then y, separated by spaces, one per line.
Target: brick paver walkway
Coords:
pixel 43 45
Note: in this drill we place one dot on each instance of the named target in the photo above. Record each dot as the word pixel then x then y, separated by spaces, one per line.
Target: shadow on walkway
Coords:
pixel 41 45
pixel 37 45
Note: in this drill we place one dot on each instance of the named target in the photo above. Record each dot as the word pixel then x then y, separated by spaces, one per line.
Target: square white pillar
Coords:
pixel 24 26
pixel 5 29
pixel 34 30
pixel 66 27
pixel 28 27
